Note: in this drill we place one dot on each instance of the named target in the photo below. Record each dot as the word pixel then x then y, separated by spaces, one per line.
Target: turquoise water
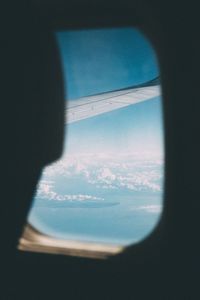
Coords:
pixel 83 205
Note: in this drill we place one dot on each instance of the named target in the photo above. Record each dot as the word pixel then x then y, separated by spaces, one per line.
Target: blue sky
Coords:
pixel 135 128
pixel 100 60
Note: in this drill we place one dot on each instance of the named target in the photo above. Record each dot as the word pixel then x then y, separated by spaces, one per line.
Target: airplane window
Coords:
pixel 108 185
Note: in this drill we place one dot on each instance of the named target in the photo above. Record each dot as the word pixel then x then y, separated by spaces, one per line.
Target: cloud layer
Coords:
pixel 47 191
pixel 109 172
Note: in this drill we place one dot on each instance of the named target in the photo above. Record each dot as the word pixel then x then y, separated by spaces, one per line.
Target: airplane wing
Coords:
pixel 90 106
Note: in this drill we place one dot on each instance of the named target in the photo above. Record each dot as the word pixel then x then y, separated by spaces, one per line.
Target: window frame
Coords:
pixel 34 241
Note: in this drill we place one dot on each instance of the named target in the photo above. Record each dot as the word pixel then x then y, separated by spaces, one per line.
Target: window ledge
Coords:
pixel 34 241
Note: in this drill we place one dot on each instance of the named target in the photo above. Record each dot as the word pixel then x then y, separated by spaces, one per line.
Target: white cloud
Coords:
pixel 45 191
pixel 150 208
pixel 127 171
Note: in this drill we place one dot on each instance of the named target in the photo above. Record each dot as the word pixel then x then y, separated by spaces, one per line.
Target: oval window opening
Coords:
pixel 108 185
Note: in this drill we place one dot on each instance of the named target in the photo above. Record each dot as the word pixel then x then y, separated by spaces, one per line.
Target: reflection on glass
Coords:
pixel 108 186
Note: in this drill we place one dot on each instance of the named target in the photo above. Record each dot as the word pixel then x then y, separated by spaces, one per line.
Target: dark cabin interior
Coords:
pixel 166 264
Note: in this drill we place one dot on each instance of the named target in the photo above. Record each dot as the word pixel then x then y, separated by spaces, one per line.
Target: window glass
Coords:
pixel 108 186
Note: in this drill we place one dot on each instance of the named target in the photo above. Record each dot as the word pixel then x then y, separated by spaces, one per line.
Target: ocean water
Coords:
pixel 99 200
pixel 129 220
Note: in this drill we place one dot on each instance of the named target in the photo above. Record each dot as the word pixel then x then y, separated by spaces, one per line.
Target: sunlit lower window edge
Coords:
pixel 35 241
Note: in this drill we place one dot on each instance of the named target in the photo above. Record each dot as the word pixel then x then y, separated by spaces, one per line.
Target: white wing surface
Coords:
pixel 90 106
